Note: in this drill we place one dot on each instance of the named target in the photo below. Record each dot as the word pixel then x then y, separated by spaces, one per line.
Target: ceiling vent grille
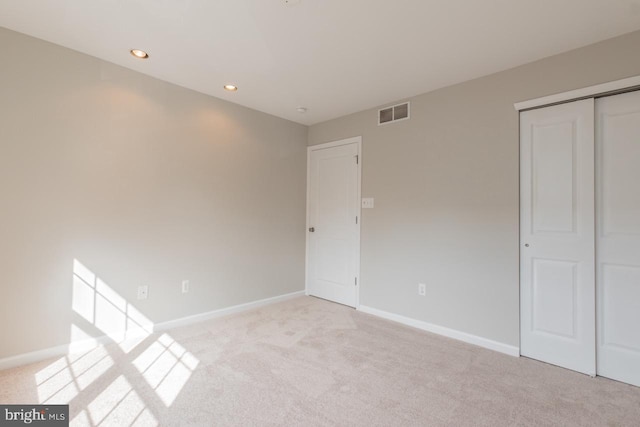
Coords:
pixel 393 114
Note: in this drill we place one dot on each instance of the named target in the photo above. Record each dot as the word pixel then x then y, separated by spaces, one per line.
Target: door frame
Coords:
pixel 353 140
pixel 595 91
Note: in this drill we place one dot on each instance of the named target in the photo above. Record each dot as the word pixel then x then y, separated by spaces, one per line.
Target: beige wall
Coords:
pixel 143 182
pixel 445 185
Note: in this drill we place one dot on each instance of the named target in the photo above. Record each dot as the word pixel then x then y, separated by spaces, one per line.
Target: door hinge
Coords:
pixel 356 281
pixel 357 159
pixel 356 219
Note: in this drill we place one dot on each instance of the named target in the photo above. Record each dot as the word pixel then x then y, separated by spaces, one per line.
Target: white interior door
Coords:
pixel 557 284
pixel 618 236
pixel 333 243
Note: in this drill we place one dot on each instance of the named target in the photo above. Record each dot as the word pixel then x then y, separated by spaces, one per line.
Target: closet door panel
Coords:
pixel 557 235
pixel 618 236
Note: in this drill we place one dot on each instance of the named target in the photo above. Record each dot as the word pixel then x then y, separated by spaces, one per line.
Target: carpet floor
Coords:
pixel 309 362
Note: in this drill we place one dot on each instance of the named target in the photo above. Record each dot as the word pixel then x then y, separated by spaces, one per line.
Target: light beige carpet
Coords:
pixel 308 362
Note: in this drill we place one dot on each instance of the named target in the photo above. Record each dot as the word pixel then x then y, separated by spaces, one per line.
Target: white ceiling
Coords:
pixel 334 57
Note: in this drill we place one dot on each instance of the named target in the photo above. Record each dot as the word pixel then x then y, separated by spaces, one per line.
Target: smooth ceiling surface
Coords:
pixel 334 57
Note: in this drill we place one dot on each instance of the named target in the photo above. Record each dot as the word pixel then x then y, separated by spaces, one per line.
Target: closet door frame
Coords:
pixel 610 88
pixel 597 91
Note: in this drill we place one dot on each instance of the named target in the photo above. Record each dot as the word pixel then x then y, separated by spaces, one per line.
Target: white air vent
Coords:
pixel 393 113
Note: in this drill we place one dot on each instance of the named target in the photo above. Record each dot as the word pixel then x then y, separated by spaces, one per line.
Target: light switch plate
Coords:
pixel 367 203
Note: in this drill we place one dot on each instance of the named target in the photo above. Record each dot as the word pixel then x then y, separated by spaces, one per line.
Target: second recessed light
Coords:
pixel 231 88
pixel 139 53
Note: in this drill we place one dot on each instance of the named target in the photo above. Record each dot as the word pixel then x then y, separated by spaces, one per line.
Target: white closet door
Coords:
pixel 618 236
pixel 557 236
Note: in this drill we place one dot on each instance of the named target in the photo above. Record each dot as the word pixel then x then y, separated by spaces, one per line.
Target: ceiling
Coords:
pixel 333 57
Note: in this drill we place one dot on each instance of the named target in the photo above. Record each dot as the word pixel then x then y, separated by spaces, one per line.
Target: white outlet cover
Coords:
pixel 422 289
pixel 367 203
pixel 185 286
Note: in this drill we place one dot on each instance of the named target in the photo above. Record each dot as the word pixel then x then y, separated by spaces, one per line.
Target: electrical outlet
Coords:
pixel 185 286
pixel 367 203
pixel 422 289
pixel 143 292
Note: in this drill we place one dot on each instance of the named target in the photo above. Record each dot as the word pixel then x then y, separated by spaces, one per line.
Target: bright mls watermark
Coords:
pixel 37 415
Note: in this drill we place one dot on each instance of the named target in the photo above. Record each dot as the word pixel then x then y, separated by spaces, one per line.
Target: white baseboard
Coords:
pixel 184 321
pixel 85 345
pixel 441 330
pixel 34 356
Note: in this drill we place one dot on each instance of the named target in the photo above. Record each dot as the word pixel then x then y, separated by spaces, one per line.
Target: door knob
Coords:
pixel 526 245
pixel 312 229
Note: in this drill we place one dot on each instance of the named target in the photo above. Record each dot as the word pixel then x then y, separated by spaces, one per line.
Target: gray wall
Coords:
pixel 446 187
pixel 143 182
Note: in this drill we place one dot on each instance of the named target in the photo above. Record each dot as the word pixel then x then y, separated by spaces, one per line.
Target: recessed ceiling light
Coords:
pixel 231 88
pixel 139 53
pixel 301 110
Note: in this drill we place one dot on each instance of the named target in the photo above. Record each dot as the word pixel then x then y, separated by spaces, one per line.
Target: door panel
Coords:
pixel 334 244
pixel 554 175
pixel 555 297
pixel 618 236
pixel 557 235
